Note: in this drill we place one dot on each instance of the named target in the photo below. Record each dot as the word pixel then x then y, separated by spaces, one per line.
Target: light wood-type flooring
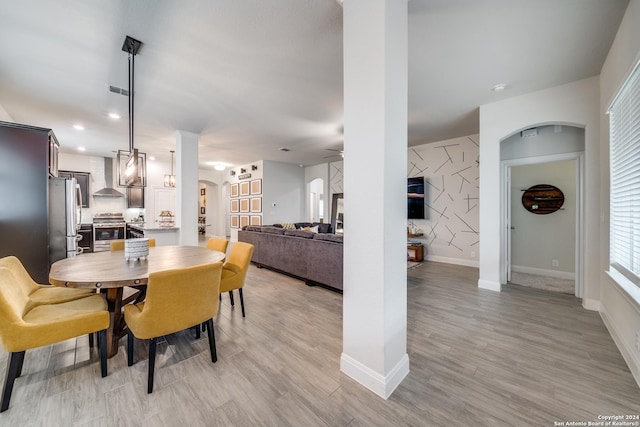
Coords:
pixel 555 284
pixel 522 357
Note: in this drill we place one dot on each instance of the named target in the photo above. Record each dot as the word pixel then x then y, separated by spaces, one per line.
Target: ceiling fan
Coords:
pixel 340 153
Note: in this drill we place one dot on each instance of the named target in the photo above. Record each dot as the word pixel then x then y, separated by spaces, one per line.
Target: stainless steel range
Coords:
pixel 107 226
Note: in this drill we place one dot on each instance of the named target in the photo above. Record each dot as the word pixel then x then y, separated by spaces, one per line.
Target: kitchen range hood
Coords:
pixel 108 190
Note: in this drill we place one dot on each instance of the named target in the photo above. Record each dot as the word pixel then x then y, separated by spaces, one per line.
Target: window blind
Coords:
pixel 624 128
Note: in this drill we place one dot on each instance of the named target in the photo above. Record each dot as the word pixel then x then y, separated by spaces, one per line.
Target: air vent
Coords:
pixel 119 90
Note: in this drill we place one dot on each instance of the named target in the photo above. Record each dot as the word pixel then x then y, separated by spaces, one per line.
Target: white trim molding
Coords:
pixel 456 261
pixel 544 272
pixel 489 285
pixel 628 354
pixel 382 385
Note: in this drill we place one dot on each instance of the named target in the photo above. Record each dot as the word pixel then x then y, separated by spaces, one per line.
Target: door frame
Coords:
pixel 505 217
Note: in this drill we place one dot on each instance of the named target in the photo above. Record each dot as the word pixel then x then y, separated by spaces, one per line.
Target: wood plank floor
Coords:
pixel 523 357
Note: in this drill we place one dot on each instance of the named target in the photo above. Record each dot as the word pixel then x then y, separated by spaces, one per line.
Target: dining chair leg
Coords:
pixel 197 331
pixel 231 297
pixel 19 373
pixel 14 364
pixel 212 341
pixel 91 340
pixel 102 343
pixel 219 297
pixel 241 301
pixel 152 363
pixel 129 347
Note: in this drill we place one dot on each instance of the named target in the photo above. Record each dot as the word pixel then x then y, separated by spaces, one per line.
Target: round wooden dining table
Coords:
pixel 124 281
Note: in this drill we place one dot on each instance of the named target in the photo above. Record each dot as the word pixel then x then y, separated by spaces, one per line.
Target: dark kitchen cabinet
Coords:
pixel 135 197
pixel 26 164
pixel 83 179
pixel 54 148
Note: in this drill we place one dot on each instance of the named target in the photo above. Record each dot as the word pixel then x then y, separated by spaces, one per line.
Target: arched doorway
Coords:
pixel 316 200
pixel 543 250
pixel 211 216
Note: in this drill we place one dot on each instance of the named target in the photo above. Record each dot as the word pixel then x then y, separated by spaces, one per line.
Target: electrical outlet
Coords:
pixel 555 263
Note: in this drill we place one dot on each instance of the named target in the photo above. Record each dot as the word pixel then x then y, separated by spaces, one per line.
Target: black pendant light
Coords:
pixel 132 164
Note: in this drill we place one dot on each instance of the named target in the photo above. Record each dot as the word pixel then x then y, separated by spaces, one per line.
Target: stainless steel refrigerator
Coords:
pixel 36 215
pixel 65 216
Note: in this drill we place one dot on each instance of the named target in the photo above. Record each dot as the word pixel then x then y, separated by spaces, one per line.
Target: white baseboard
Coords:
pixel 456 261
pixel 591 304
pixel 382 385
pixel 544 272
pixel 489 285
pixel 628 354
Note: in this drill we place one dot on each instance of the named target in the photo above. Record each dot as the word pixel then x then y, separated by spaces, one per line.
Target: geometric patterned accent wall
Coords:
pixel 451 175
pixel 336 184
pixel 451 172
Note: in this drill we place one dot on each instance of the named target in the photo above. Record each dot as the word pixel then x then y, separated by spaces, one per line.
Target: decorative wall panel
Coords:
pixel 451 172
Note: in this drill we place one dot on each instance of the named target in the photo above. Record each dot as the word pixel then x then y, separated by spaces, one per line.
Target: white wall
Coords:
pixel 283 192
pixel 549 140
pixel 537 240
pixel 574 104
pixel 4 116
pixel 620 312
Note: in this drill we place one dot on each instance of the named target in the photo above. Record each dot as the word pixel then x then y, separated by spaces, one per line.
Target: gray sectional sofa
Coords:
pixel 315 258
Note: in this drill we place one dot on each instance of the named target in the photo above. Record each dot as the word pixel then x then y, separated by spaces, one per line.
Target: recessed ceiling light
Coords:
pixel 151 158
pixel 78 127
pixel 219 167
pixel 82 149
pixel 499 87
pixel 114 116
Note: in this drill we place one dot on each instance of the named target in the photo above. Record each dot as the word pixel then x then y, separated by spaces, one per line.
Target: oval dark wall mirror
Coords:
pixel 542 199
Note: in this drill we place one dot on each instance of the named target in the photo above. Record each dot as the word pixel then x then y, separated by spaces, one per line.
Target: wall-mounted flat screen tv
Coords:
pixel 415 198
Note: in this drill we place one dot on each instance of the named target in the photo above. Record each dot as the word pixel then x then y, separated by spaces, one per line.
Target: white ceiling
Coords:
pixel 252 76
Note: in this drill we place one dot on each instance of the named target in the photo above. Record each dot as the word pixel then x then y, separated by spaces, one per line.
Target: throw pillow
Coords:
pixel 313 229
pixel 288 226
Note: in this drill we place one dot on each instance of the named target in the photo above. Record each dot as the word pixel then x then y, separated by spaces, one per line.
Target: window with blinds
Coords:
pixel 624 128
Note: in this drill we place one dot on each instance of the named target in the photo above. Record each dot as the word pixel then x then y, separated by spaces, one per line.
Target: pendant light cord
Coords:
pixel 132 62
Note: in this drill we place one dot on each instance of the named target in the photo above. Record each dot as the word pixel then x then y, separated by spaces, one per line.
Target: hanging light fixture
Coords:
pixel 170 180
pixel 132 164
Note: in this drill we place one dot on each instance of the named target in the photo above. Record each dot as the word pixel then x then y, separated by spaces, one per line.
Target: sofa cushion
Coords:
pixel 300 233
pixel 329 237
pixel 322 227
pixel 253 228
pixel 301 225
pixel 273 230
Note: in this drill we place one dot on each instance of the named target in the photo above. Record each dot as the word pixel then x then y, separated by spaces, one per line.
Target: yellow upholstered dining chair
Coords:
pixel 176 300
pixel 118 245
pixel 235 269
pixel 217 244
pixel 41 294
pixel 27 323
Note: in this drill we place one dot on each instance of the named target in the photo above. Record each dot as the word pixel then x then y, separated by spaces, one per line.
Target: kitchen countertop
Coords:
pixel 150 227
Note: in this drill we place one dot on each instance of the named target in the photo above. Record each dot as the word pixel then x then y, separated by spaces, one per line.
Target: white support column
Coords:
pixel 187 187
pixel 375 194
